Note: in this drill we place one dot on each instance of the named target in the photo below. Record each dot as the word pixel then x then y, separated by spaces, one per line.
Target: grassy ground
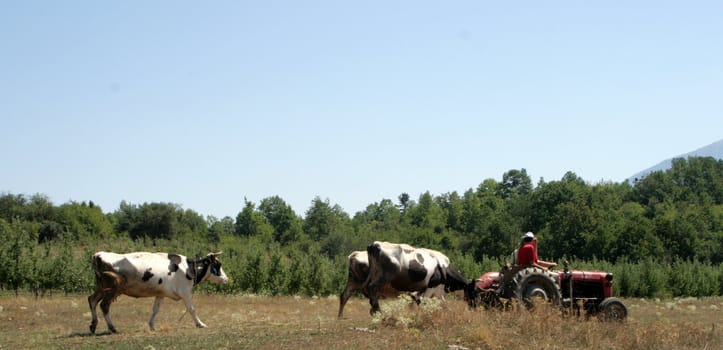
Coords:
pixel 247 322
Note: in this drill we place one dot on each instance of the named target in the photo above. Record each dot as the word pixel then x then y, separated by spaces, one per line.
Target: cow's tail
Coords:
pixel 107 281
pixel 373 253
pixel 111 284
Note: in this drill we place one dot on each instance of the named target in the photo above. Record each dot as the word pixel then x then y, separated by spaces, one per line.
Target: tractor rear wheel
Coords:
pixel 613 309
pixel 534 285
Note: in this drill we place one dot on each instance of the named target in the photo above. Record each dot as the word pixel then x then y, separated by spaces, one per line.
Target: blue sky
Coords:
pixel 204 104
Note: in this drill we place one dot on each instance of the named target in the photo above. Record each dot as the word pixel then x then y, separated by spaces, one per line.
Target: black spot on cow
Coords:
pixel 175 260
pixel 416 271
pixel 147 275
pixel 160 280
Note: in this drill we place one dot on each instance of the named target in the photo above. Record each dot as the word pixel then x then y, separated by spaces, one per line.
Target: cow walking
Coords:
pixel 358 266
pixel 142 274
pixel 410 269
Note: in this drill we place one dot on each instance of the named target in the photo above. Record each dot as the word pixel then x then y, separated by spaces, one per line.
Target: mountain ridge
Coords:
pixel 714 150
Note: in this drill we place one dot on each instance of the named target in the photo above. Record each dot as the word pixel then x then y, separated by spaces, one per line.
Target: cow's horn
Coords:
pixel 219 253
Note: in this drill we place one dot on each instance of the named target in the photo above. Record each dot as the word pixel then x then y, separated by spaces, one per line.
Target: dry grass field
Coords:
pixel 249 322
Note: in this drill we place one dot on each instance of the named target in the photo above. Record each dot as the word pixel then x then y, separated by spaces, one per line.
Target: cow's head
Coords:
pixel 212 267
pixel 454 280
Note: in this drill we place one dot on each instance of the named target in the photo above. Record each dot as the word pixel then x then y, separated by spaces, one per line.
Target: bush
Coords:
pixel 259 266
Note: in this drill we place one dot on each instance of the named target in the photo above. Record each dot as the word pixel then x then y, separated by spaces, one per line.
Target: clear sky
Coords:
pixel 203 103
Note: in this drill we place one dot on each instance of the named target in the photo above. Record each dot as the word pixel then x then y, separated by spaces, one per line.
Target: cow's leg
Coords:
pixel 345 295
pixel 192 310
pixel 371 288
pixel 374 302
pixel 93 300
pixel 105 307
pixel 156 307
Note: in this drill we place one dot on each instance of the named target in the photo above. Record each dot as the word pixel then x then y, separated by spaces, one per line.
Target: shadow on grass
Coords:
pixel 88 334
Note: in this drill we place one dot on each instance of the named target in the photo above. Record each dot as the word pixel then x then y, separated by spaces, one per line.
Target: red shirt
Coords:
pixel 527 254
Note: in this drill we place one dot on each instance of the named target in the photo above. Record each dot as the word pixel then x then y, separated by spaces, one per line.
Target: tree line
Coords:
pixel 648 231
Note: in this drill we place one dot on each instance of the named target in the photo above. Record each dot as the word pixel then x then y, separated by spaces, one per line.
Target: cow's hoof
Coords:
pixel 200 325
pixel 112 329
pixel 92 329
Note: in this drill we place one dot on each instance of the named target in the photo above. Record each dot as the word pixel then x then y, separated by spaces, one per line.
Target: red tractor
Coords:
pixel 591 291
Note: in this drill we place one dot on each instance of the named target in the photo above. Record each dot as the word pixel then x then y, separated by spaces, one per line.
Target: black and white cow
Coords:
pixel 142 274
pixel 410 269
pixel 358 266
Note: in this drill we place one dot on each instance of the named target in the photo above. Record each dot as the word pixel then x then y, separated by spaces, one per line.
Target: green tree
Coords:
pixel 486 224
pixel 697 180
pixel 318 280
pixel 331 227
pixel 547 196
pixel 287 226
pixel 253 274
pixel 17 249
pixel 561 210
pixel 568 226
pixel 13 207
pixel 636 239
pixel 155 220
pixel 40 208
pixel 84 221
pixel 158 221
pixel 277 274
pixel 250 222
pixel 298 273
pixel 404 202
pixel 322 219
pixel 190 223
pixel 451 203
pixel 382 216
pixel 515 183
pixel 219 228
pixel 427 214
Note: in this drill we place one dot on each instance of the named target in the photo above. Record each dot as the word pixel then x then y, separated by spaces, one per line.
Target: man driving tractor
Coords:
pixel 527 253
pixel 523 257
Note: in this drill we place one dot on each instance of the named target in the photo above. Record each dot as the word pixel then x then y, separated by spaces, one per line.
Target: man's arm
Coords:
pixel 545 264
